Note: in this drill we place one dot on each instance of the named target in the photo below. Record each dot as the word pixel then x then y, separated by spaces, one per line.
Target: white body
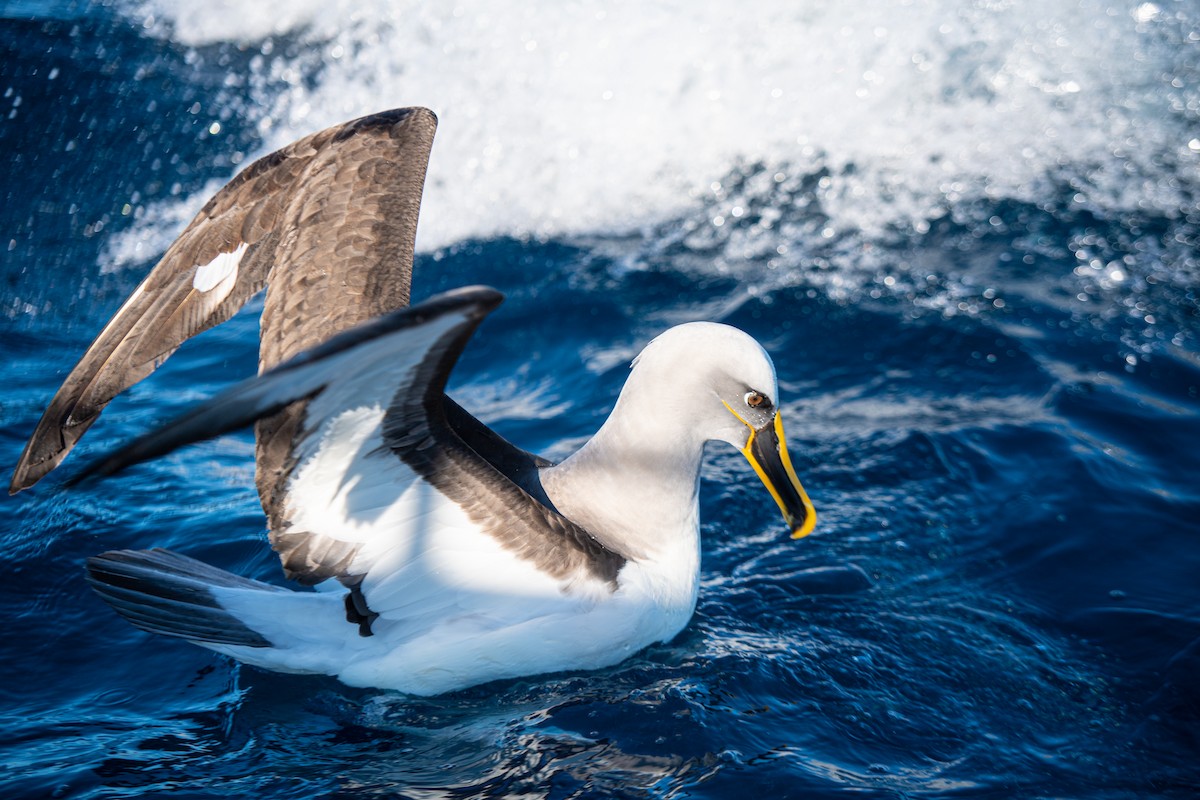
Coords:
pixel 480 581
pixel 455 607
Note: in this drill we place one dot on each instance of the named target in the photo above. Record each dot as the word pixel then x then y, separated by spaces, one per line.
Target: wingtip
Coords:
pixel 23 479
pixel 20 483
pixel 26 474
pixel 397 118
pixel 485 297
pixel 422 110
pixel 417 111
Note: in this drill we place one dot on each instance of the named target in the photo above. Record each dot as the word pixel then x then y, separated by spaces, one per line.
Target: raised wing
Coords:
pixel 327 222
pixel 389 471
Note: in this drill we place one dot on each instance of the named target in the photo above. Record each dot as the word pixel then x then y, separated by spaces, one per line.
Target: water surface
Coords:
pixel 968 236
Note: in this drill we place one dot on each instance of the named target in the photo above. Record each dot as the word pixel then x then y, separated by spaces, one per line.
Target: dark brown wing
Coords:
pixel 328 222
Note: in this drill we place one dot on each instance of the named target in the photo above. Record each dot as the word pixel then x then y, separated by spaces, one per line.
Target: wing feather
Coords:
pixel 384 460
pixel 328 222
pixel 360 366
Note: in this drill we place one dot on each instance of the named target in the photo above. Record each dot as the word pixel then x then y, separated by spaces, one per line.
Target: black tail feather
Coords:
pixel 164 592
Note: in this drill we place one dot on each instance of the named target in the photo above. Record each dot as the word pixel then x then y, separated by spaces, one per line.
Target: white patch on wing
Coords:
pixel 220 272
pixel 443 552
pixel 335 492
pixel 347 485
pixel 371 373
pixel 416 542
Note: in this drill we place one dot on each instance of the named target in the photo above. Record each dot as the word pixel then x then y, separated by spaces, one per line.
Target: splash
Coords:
pixel 560 119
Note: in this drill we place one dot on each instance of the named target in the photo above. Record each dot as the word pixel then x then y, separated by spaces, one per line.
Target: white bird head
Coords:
pixel 720 384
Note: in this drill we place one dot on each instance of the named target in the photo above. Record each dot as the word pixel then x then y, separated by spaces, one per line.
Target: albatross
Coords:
pixel 441 556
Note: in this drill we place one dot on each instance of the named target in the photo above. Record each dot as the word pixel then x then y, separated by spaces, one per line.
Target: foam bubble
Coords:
pixel 567 118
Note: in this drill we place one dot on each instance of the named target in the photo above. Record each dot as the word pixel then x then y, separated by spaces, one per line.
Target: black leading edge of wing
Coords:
pixel 301 377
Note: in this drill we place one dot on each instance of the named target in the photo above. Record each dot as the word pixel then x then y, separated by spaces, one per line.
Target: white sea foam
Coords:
pixel 565 118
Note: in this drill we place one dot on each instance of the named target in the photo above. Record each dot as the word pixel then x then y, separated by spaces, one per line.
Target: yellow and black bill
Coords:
pixel 766 450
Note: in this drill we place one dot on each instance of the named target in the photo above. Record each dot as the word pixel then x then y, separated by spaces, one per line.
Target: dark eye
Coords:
pixel 757 400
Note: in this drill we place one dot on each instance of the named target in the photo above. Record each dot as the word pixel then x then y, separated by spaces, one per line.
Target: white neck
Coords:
pixel 634 484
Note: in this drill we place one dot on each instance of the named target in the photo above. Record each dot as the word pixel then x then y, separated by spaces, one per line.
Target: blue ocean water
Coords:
pixel 981 292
